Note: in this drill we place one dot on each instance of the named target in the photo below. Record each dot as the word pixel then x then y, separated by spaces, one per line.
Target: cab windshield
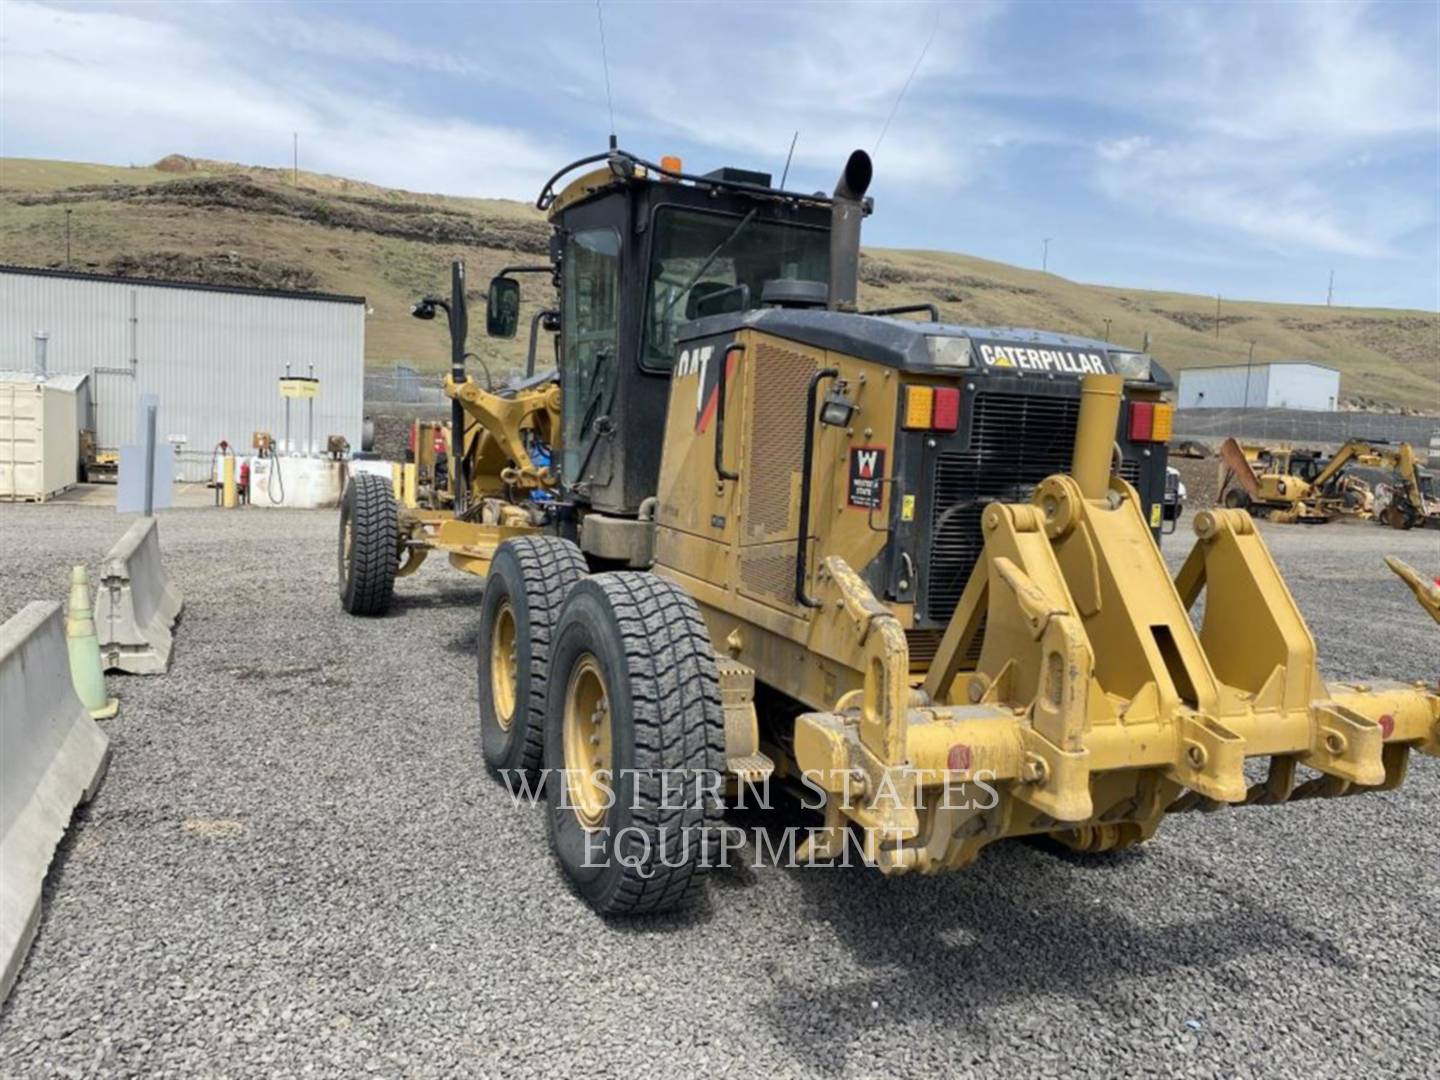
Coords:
pixel 746 252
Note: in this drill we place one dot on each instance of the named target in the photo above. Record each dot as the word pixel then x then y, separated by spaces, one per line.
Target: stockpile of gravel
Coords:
pixel 297 865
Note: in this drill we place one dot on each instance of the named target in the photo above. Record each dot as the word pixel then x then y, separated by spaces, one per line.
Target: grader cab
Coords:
pixel 748 535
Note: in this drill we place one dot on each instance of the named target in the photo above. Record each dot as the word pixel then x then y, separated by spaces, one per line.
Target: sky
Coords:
pixel 1245 149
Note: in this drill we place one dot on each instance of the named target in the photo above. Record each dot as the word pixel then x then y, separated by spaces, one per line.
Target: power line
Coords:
pixel 605 60
pixel 894 108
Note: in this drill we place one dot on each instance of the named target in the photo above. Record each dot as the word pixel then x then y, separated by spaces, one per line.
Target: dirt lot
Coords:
pixel 298 865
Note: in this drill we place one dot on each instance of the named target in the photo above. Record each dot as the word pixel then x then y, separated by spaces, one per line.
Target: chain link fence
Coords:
pixel 1304 426
pixel 403 385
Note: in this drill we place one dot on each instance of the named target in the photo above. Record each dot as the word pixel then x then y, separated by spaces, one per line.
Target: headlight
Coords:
pixel 949 352
pixel 1133 365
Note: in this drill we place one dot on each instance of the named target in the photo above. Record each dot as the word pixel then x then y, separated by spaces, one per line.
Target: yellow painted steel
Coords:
pixel 1073 695
pixel 1426 592
pixel 397 481
pixel 587 742
pixel 229 498
pixel 504 666
pixel 408 495
pixel 1095 432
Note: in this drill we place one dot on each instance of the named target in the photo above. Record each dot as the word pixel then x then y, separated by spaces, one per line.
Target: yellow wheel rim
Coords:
pixel 587 742
pixel 504 666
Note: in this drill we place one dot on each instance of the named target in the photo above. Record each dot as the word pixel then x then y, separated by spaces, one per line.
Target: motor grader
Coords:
pixel 748 534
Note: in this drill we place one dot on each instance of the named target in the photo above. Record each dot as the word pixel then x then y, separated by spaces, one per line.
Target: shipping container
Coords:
pixel 39 439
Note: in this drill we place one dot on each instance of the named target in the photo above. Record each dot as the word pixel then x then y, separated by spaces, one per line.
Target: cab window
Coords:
pixel 683 287
pixel 591 322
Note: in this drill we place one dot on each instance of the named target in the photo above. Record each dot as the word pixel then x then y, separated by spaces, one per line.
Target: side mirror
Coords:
pixel 502 307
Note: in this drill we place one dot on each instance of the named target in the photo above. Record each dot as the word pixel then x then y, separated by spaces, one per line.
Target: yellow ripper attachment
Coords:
pixel 1072 682
pixel 1427 592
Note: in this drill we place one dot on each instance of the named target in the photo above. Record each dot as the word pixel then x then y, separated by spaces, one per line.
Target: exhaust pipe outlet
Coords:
pixel 846 212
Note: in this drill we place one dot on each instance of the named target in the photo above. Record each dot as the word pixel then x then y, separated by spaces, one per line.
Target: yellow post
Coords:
pixel 409 486
pixel 397 480
pixel 1095 433
pixel 227 474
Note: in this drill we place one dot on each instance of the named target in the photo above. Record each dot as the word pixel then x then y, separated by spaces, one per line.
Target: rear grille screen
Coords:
pixel 1016 440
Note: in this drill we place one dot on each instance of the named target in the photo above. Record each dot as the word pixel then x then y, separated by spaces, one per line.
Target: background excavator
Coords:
pixel 1360 480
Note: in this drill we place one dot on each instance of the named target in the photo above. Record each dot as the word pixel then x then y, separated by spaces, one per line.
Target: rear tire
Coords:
pixel 633 682
pixel 369 545
pixel 1235 499
pixel 529 579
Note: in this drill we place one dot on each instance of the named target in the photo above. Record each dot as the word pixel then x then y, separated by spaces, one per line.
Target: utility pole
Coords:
pixel 68 212
pixel 1330 292
pixel 1249 364
pixel 1107 329
pixel 1045 255
pixel 1217 316
pixel 295 160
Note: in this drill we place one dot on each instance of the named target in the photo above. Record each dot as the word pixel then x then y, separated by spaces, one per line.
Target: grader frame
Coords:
pixel 772 637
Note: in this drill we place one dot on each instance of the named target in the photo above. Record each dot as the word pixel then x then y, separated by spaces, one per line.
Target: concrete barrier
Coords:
pixel 136 605
pixel 52 758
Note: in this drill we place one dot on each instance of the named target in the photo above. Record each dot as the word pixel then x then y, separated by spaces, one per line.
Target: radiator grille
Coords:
pixel 1016 440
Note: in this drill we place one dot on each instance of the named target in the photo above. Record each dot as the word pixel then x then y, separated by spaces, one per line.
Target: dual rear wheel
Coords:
pixel 609 683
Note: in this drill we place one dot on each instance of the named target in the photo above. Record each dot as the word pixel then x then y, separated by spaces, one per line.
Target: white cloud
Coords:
pixel 753 76
pixel 122 86
pixel 1263 107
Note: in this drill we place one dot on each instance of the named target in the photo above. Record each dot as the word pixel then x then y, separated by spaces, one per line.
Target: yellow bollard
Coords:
pixel 397 480
pixel 227 473
pixel 410 482
pixel 84 646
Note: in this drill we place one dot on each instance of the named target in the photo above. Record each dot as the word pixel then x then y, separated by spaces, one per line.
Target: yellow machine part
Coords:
pixel 1072 695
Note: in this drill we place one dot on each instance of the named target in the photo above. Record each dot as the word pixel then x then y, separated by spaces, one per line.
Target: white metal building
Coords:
pixel 212 354
pixel 1286 384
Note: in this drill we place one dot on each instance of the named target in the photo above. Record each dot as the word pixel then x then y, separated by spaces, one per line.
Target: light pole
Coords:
pixel 1249 365
pixel 68 212
pixel 1045 255
pixel 1107 329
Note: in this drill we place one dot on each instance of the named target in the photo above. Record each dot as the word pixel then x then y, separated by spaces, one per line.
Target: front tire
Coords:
pixel 634 745
pixel 369 545
pixel 529 579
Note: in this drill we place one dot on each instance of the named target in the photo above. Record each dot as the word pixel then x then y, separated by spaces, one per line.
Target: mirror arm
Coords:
pixel 535 321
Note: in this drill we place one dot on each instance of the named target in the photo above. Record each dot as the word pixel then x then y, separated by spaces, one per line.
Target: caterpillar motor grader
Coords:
pixel 746 532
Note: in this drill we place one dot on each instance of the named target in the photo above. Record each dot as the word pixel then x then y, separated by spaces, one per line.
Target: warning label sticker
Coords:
pixel 867 477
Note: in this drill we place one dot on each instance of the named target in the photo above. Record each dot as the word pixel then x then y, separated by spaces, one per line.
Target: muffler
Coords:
pixel 846 212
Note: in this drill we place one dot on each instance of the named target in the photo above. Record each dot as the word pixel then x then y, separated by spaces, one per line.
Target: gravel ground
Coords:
pixel 297 865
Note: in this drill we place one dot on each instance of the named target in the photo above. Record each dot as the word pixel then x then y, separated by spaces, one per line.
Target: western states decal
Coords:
pixel 867 477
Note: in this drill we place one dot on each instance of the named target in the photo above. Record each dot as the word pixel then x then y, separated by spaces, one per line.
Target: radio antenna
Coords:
pixel 605 62
pixel 898 97
pixel 788 156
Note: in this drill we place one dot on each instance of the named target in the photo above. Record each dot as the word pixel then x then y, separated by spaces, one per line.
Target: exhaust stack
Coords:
pixel 846 213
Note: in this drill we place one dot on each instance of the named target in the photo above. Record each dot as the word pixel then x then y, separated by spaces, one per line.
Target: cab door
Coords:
pixel 589 357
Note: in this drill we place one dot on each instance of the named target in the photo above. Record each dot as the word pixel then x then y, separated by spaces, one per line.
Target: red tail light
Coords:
pixel 947 409
pixel 1142 421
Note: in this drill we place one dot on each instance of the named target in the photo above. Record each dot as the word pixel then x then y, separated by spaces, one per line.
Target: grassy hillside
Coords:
pixel 211 221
